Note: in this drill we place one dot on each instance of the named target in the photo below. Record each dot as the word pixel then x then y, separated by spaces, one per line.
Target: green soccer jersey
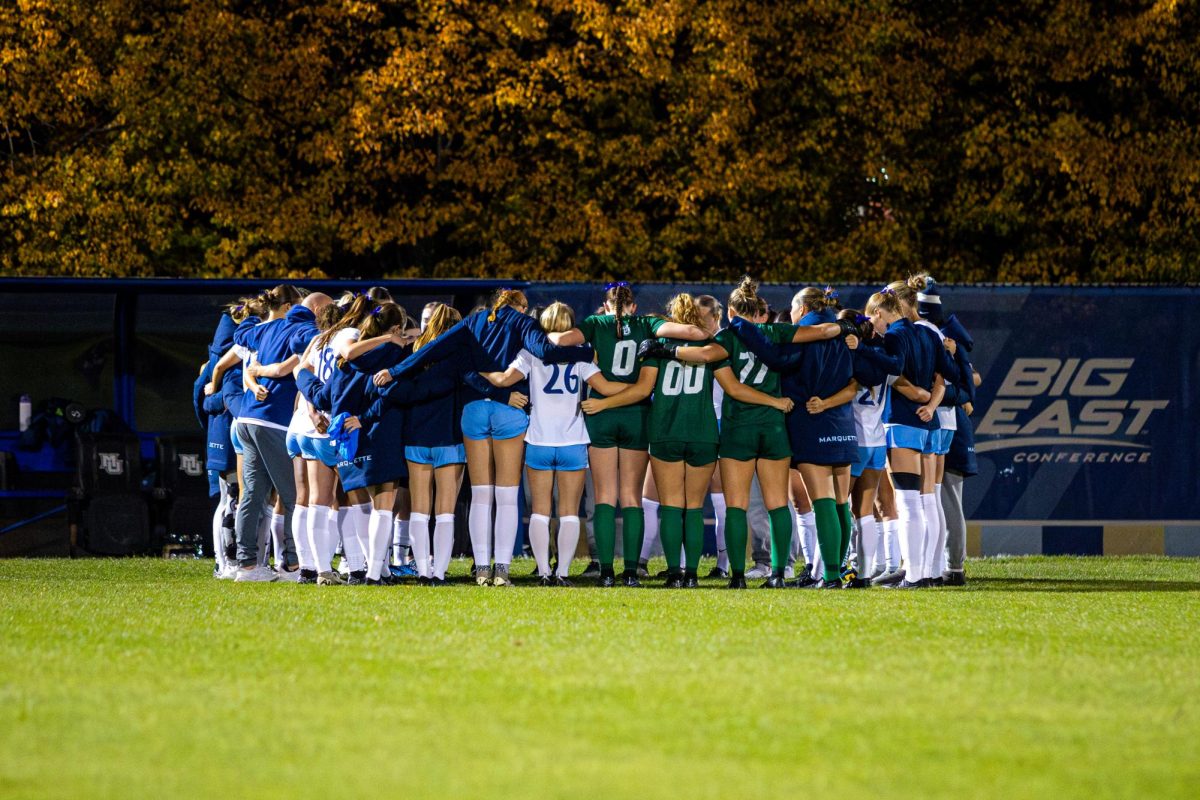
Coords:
pixel 617 356
pixel 682 410
pixel 755 374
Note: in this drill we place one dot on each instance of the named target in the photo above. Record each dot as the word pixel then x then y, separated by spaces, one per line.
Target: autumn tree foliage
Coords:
pixel 1031 140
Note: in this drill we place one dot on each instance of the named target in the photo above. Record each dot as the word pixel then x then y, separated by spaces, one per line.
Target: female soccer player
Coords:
pixel 824 444
pixel 912 354
pixel 683 438
pixel 493 423
pixel 378 461
pixel 433 446
pixel 753 437
pixel 556 444
pixel 618 450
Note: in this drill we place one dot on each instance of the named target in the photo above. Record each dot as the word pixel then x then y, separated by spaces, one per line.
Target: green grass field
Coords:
pixel 1045 677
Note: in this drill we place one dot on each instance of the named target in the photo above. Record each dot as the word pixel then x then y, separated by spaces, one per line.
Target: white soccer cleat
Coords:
pixel 758 571
pixel 255 575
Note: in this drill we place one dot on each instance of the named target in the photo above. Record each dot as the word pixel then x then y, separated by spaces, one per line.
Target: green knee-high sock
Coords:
pixel 829 536
pixel 670 533
pixel 633 526
pixel 781 537
pixel 843 510
pixel 604 522
pixel 693 537
pixel 735 539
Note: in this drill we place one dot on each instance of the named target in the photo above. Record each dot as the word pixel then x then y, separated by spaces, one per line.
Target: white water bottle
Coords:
pixel 24 412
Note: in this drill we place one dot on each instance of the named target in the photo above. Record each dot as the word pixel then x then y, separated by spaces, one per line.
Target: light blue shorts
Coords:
pixel 234 440
pixel 566 458
pixel 907 436
pixel 869 458
pixel 437 456
pixel 312 448
pixel 487 419
pixel 939 442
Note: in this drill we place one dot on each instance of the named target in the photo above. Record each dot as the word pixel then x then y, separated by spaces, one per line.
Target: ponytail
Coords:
pixel 619 296
pixel 683 309
pixel 507 297
pixel 744 300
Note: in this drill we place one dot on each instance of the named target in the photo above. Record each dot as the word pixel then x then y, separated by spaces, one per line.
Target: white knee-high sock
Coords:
pixel 929 506
pixel 379 536
pixel 443 544
pixel 418 532
pixel 480 523
pixel 718 502
pixel 650 532
pixel 568 540
pixel 320 520
pixel 539 541
pixel 355 535
pixel 304 552
pixel 939 567
pixel 400 539
pixel 912 533
pixel 806 526
pixel 868 538
pixel 506 523
pixel 891 545
pixel 278 542
pixel 879 565
pixel 219 524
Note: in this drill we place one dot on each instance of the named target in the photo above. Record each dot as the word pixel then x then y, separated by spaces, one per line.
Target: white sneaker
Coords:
pixel 292 576
pixel 227 573
pixel 789 573
pixel 255 575
pixel 758 571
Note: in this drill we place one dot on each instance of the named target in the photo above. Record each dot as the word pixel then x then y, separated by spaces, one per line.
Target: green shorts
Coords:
pixel 749 442
pixel 627 428
pixel 696 454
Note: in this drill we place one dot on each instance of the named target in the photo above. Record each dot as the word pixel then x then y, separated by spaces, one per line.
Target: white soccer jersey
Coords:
pixel 555 394
pixel 718 398
pixel 868 415
pixel 322 361
pixel 947 421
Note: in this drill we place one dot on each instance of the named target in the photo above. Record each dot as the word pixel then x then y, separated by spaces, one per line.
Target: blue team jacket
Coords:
pixel 275 341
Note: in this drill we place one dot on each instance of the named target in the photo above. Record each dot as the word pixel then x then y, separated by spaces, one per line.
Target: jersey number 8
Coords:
pixel 681 379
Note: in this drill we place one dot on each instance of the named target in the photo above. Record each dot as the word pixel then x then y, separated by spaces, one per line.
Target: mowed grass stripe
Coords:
pixel 137 678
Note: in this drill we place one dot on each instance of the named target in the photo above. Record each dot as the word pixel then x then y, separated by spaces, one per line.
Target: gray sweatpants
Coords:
pixel 956 521
pixel 265 463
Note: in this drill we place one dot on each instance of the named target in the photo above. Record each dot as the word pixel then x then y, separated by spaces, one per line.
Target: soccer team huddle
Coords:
pixel 833 442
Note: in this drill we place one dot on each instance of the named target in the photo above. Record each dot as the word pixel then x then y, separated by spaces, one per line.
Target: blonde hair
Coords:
pixel 744 299
pixel 507 297
pixel 906 291
pixel 442 319
pixel 887 300
pixel 557 317
pixel 683 309
pixel 815 299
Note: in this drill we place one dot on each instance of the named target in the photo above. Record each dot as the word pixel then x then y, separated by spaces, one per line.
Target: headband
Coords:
pixel 615 285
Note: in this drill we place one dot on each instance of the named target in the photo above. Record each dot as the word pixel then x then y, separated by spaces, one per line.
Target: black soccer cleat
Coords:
pixel 691 582
pixel 308 576
pixel 717 572
pixel 805 581
pixel 955 578
pixel 607 581
pixel 563 583
pixel 908 585
pixel 630 580
pixel 858 583
pixel 357 578
pixel 833 584
pixel 674 580
pixel 775 582
pixel 738 583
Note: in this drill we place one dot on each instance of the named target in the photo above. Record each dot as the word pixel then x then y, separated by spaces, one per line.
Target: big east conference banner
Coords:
pixel 1088 408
